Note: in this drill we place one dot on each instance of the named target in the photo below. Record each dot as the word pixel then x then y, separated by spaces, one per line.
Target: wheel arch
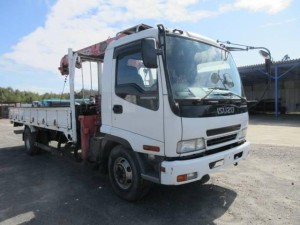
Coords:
pixel 32 129
pixel 108 143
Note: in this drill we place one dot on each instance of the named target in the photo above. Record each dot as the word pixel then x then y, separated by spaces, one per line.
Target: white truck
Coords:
pixel 170 110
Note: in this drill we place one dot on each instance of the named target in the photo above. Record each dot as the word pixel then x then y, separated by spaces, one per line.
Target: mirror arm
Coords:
pixel 267 50
pixel 232 47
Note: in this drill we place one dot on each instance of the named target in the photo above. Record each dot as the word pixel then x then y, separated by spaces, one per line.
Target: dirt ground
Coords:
pixel 264 189
pixel 267 183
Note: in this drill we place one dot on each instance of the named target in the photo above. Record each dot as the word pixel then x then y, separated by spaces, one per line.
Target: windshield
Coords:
pixel 198 70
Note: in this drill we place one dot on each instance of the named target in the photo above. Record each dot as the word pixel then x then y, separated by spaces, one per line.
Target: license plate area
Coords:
pixel 216 164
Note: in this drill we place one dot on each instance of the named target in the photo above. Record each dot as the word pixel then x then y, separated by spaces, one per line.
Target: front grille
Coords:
pixel 220 140
pixel 223 130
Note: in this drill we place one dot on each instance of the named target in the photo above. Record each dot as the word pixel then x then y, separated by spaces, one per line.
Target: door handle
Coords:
pixel 118 109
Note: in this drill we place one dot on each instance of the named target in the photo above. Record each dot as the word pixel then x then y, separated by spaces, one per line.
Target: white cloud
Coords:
pixel 83 23
pixel 87 22
pixel 269 6
pixel 280 23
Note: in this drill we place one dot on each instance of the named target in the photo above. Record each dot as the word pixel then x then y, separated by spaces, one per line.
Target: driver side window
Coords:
pixel 134 82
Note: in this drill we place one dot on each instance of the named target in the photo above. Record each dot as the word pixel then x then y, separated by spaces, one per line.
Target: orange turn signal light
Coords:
pixel 151 148
pixel 188 176
pixel 181 178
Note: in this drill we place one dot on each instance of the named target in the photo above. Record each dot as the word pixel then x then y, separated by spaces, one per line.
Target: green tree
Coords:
pixel 10 95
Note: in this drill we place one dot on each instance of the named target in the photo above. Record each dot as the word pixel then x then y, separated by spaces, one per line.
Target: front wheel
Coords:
pixel 125 175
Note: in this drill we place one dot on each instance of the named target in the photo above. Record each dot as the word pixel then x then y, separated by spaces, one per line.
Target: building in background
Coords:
pixel 278 93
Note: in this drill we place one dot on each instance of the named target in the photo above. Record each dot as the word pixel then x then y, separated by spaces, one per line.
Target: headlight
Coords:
pixel 243 133
pixel 191 146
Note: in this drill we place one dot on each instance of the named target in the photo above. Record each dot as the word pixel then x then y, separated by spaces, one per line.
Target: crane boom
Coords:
pixel 97 51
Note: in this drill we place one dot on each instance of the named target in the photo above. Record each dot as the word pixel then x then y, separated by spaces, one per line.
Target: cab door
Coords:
pixel 137 107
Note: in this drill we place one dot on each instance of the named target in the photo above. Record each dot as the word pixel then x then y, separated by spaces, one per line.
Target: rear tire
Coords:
pixel 29 140
pixel 125 175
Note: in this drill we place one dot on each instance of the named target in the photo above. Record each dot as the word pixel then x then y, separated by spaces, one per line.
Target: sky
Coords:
pixel 35 34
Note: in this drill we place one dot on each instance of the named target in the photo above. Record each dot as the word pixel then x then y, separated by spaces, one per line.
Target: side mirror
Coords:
pixel 268 62
pixel 149 53
pixel 228 80
pixel 214 78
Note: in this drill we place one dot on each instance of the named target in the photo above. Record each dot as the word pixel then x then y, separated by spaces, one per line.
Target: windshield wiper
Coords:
pixel 241 97
pixel 219 88
pixel 208 94
pixel 213 89
pixel 233 94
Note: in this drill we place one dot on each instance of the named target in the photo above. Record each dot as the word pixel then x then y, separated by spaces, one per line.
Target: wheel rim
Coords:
pixel 123 173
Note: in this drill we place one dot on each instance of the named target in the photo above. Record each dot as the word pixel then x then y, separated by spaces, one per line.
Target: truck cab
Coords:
pixel 175 100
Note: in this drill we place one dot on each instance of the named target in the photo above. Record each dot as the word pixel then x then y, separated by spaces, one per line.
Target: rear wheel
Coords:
pixel 29 140
pixel 125 175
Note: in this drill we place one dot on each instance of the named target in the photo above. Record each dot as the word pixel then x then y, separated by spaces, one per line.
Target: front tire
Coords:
pixel 125 175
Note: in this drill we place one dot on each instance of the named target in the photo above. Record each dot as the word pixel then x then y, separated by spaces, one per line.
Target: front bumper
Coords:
pixel 201 166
